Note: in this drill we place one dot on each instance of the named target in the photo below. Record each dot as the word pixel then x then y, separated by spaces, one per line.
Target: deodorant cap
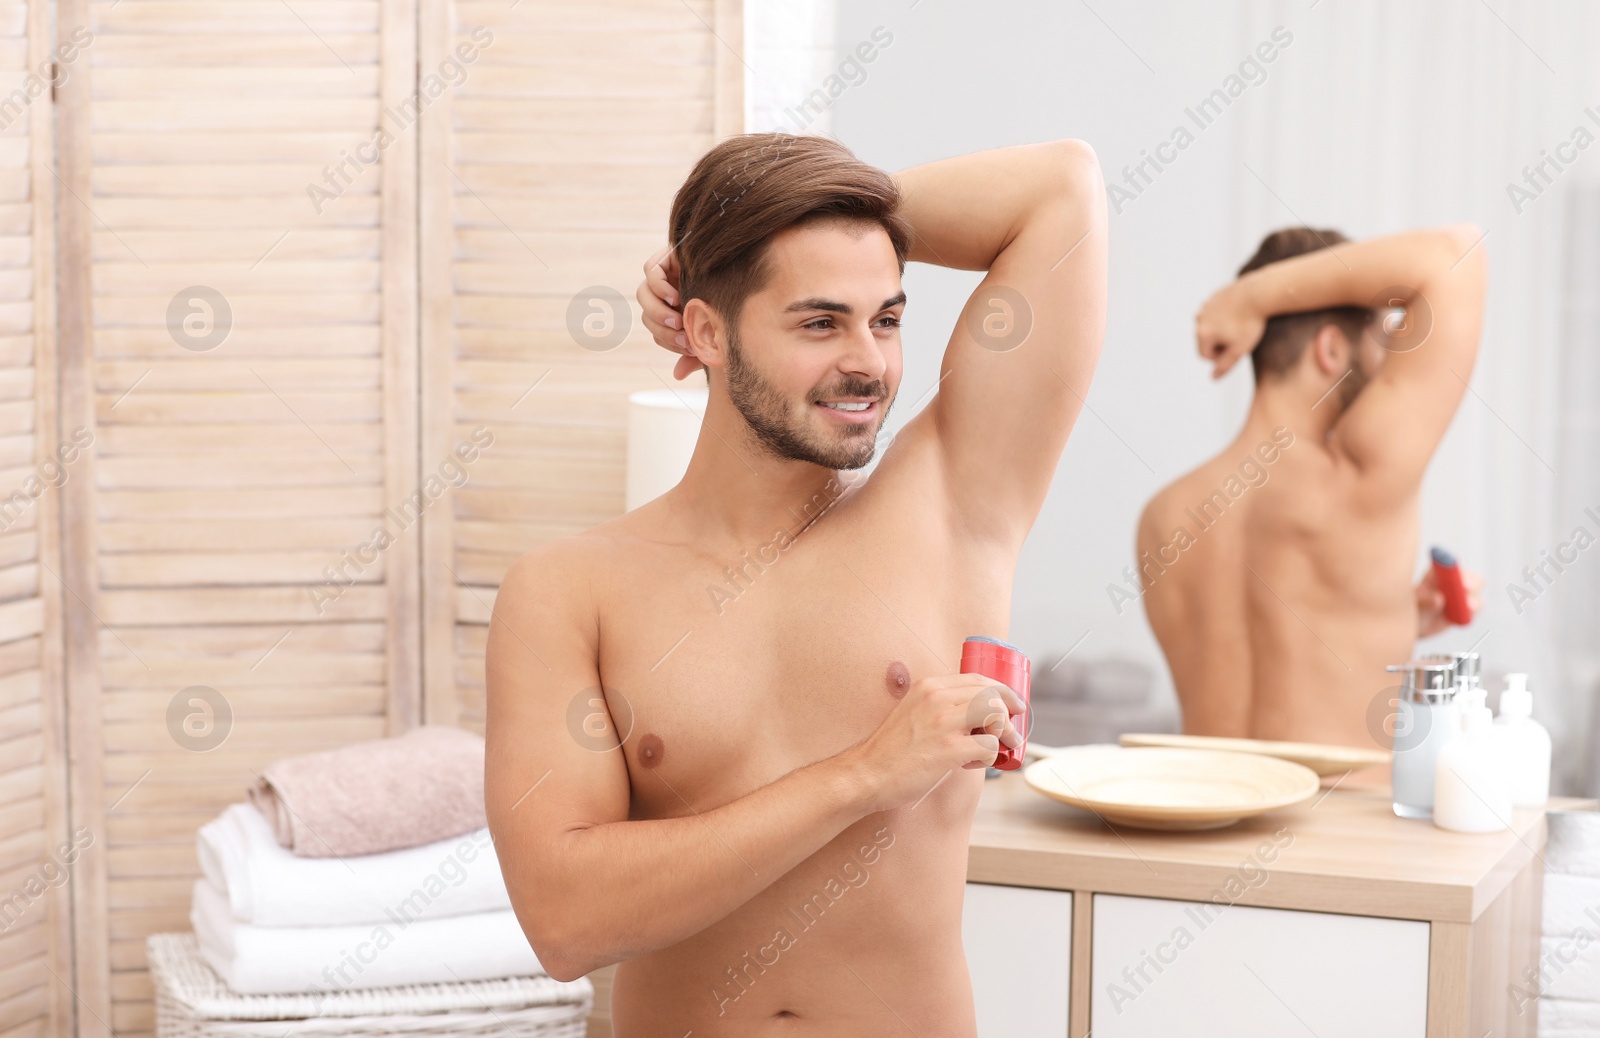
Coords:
pixel 993 641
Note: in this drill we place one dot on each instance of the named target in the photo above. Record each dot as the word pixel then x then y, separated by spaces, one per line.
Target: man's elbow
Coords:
pixel 1080 168
pixel 562 970
pixel 559 946
pixel 1464 246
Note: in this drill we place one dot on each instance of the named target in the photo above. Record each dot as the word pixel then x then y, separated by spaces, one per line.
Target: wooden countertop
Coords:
pixel 1343 851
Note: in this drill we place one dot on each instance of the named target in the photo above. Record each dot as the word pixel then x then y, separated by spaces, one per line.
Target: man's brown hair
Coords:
pixel 751 186
pixel 1286 335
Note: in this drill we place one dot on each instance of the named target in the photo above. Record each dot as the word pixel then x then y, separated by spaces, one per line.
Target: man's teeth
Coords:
pixel 848 407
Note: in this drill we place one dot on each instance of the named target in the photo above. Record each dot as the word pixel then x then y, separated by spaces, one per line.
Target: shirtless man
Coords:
pixel 1277 576
pixel 728 746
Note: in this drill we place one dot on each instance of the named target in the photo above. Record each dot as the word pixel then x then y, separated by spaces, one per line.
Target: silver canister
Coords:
pixel 1467 667
pixel 1425 719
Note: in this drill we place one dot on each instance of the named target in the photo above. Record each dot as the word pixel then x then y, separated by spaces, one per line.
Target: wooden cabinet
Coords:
pixel 1331 918
pixel 1018 942
pixel 1163 968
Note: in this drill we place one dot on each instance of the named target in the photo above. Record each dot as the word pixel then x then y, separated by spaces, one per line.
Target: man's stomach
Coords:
pixel 861 939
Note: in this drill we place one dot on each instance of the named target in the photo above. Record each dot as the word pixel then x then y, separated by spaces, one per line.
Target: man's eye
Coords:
pixel 820 323
pixel 889 321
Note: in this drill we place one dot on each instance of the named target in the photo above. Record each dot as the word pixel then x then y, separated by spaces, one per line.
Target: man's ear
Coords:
pixel 706 333
pixel 1330 350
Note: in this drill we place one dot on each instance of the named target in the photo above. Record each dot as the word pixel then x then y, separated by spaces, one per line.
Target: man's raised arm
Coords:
pixel 1437 275
pixel 1019 362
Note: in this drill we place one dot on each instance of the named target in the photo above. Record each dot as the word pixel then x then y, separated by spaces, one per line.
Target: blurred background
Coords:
pixel 270 272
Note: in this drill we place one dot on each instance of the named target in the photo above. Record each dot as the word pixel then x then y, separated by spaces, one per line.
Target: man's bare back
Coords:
pixel 727 744
pixel 1291 591
pixel 1278 575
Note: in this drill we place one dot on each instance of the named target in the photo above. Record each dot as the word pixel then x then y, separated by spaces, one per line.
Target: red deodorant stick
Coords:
pixel 1447 575
pixel 1006 664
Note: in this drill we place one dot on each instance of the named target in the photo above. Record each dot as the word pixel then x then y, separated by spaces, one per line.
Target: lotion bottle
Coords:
pixel 1470 791
pixel 1524 744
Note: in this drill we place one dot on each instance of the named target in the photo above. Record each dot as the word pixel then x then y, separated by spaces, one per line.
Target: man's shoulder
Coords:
pixel 1169 503
pixel 555 574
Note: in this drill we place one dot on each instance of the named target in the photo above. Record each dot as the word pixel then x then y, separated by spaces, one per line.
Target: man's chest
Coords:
pixel 727 674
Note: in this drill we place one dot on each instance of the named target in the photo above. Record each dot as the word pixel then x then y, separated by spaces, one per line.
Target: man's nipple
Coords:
pixel 651 750
pixel 897 679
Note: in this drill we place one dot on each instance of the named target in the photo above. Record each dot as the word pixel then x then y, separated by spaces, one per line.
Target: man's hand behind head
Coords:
pixel 661 307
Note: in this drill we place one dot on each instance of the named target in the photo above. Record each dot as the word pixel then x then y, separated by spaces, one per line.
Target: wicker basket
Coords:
pixel 192 1001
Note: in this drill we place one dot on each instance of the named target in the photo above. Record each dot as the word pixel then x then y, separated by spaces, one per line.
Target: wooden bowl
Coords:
pixel 1170 789
pixel 1324 760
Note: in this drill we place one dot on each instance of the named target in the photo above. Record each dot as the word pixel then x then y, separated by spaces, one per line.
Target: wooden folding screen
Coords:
pixel 543 193
pixel 37 850
pixel 267 544
pixel 239 336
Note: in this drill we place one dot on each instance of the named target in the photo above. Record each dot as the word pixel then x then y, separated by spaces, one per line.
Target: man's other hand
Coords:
pixel 1430 601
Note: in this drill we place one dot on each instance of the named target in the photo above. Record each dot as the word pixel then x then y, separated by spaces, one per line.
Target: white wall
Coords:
pixel 788 54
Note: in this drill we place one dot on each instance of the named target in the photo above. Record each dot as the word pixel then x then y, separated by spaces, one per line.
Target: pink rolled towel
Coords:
pixel 371 797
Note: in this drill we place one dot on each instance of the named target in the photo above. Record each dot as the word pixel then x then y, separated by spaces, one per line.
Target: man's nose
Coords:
pixel 865 356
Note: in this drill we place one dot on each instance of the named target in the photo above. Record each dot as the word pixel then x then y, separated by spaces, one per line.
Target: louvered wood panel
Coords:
pixel 226 479
pixel 552 174
pixel 35 903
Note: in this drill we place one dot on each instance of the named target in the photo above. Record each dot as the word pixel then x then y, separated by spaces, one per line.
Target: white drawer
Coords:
pixel 1167 969
pixel 1018 942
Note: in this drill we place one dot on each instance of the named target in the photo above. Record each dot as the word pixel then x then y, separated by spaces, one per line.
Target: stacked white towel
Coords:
pixel 270 922
pixel 1564 986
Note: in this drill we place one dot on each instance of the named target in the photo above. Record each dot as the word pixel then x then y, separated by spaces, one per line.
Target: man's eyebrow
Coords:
pixel 835 307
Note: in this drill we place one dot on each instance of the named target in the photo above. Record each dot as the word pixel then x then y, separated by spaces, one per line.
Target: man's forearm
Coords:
pixel 964 210
pixel 1354 273
pixel 629 888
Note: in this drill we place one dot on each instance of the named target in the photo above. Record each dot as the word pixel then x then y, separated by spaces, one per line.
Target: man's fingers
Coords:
pixel 1009 700
pixel 663 322
pixel 661 275
pixel 661 287
pixel 994 719
pixel 1013 702
pixel 657 314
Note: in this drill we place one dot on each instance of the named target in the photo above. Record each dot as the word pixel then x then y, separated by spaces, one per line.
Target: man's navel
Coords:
pixel 897 679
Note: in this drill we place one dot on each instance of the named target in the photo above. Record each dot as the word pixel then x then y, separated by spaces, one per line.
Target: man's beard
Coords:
pixel 767 412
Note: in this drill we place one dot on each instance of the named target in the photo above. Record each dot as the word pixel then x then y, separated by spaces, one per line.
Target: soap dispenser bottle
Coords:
pixel 1524 744
pixel 1470 791
pixel 1425 720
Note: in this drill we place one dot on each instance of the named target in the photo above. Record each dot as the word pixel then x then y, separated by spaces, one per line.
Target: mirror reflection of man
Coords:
pixel 1278 575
